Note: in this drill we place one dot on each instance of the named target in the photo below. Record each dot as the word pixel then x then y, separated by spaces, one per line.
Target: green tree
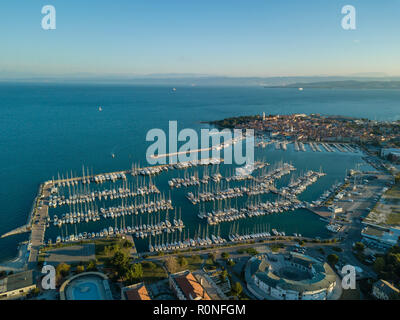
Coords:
pixel 196 258
pixel 212 256
pixel 120 263
pixel 80 269
pixel 237 289
pixel 127 244
pixel 182 261
pixel 149 265
pixel 92 265
pixel 359 246
pixel 134 273
pixel 63 270
pixel 223 275
pixel 379 265
pixel 231 263
pixel 119 259
pixel 225 255
pixel 332 259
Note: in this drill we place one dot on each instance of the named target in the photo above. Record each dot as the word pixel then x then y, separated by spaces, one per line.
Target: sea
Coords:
pixel 49 129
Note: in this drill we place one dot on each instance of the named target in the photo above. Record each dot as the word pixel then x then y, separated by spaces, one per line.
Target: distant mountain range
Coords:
pixel 344 84
pixel 367 81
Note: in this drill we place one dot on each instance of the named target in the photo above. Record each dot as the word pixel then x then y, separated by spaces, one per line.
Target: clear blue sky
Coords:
pixel 218 37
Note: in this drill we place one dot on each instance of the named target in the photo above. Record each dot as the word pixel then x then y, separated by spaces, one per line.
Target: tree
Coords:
pixel 332 259
pixel 225 255
pixel 120 263
pixel 92 265
pixel 149 265
pixel 63 269
pixel 127 244
pixel 135 271
pixel 182 261
pixel 212 256
pixel 379 265
pixel 359 246
pixel 231 263
pixel 172 264
pixel 80 269
pixel 118 259
pixel 223 275
pixel 237 289
pixel 35 292
pixel 196 258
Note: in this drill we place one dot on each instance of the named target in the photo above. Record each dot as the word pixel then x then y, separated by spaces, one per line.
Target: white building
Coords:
pixel 17 284
pixel 289 277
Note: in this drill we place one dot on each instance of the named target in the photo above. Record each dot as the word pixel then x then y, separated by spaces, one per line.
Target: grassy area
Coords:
pixel 105 248
pixel 276 247
pixel 388 207
pixel 153 272
pixel 192 263
pixel 393 218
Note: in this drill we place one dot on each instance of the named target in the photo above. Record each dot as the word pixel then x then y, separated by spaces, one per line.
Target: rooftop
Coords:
pixel 17 281
pixel 137 292
pixel 322 278
pixel 190 287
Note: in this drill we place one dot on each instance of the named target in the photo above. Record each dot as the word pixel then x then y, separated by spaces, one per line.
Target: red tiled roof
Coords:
pixel 138 294
pixel 191 288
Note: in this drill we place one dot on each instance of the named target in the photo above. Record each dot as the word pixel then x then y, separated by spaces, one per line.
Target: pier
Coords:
pixel 38 225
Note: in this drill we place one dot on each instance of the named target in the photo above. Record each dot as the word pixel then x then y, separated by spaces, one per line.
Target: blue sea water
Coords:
pixel 51 128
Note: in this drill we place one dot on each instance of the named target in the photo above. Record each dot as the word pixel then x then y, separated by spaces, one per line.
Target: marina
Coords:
pixel 98 198
pixel 134 202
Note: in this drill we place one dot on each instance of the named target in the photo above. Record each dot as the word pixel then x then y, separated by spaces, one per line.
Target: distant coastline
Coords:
pixel 345 84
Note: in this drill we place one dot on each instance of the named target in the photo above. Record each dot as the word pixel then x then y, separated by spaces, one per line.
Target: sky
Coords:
pixel 208 37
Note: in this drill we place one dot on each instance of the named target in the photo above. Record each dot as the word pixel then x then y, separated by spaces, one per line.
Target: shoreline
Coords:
pixel 19 262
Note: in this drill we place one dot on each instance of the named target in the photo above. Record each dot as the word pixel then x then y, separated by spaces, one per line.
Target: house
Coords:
pixel 384 290
pixel 17 284
pixel 186 287
pixel 136 291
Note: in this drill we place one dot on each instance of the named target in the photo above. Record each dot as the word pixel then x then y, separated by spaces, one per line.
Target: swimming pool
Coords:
pixel 86 291
pixel 86 286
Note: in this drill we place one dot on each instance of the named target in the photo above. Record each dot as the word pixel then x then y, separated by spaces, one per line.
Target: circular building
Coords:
pixel 86 286
pixel 290 276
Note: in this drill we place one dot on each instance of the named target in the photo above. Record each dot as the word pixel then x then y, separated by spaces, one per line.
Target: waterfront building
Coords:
pixel 386 236
pixel 186 286
pixel 17 284
pixel 136 291
pixel 290 276
pixel 384 290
